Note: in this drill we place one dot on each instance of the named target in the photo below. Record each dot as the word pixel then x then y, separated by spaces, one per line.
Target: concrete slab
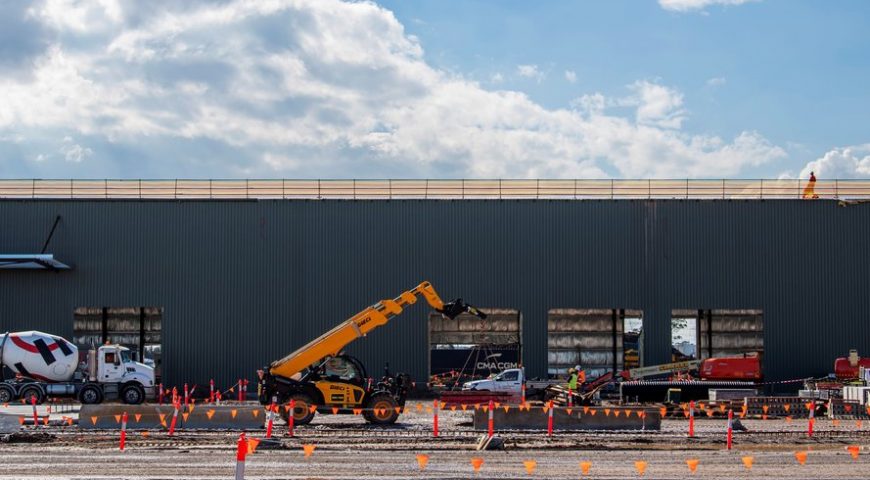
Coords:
pixel 579 418
pixel 160 417
pixel 226 418
pixel 9 423
pixel 107 416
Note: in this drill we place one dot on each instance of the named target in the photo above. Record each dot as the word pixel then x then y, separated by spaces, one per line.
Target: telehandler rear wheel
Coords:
pixel 382 410
pixel 302 414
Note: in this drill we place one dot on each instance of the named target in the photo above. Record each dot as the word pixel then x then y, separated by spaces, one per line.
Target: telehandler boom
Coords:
pixel 318 374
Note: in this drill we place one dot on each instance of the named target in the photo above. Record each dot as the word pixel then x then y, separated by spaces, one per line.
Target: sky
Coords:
pixel 434 89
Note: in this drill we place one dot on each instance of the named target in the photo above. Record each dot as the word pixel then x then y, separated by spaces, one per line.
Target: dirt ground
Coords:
pixel 346 448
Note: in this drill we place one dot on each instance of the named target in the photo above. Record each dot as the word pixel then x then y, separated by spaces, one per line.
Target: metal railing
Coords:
pixel 432 189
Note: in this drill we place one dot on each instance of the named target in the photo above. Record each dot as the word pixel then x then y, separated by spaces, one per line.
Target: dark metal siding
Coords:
pixel 244 282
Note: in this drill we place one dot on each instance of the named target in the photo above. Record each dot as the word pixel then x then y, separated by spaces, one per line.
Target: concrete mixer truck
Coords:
pixel 46 365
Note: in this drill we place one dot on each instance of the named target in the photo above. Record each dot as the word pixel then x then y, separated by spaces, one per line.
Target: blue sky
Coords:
pixel 446 88
pixel 787 68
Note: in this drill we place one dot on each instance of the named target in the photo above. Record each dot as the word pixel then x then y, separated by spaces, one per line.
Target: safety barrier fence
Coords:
pixel 248 445
pixel 685 410
pixel 469 189
pixel 763 411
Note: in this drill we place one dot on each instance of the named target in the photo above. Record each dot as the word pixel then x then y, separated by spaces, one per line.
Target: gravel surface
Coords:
pixel 347 448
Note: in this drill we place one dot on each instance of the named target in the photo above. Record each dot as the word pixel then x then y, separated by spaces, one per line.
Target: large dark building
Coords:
pixel 217 289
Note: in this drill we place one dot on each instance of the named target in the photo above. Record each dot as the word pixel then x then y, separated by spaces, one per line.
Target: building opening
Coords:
pixel 470 348
pixel 684 335
pixel 137 328
pixel 599 340
pixel 632 321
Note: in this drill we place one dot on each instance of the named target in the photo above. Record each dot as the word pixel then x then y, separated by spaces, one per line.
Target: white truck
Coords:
pixel 49 366
pixel 509 381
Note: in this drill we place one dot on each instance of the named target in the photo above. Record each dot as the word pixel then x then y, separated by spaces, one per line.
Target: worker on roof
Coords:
pixel 810 189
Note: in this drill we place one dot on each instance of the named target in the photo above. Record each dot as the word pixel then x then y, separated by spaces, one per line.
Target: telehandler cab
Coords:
pixel 319 375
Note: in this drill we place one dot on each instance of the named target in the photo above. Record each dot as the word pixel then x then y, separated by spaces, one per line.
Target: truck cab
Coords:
pixel 114 366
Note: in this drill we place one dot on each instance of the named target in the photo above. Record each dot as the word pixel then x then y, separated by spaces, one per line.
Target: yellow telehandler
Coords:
pixel 320 375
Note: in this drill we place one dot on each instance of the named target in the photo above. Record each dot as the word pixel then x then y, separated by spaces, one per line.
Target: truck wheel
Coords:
pixel 382 409
pixel 302 414
pixel 133 395
pixel 30 392
pixel 90 395
pixel 7 394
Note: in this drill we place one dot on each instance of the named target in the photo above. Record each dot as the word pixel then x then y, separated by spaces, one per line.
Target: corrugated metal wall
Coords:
pixel 244 282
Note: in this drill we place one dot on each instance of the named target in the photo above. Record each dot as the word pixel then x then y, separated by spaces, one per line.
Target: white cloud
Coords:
pixel 280 162
pixel 73 152
pixel 688 5
pixel 496 78
pixel 78 15
pixel 844 162
pixel 530 71
pixel 716 82
pixel 318 88
pixel 590 104
pixel 658 105
pixel 571 76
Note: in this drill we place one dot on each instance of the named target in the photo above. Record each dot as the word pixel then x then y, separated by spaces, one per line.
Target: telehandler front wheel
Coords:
pixel 381 410
pixel 302 414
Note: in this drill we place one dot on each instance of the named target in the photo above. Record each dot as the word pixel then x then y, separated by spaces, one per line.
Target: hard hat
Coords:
pixel 578 367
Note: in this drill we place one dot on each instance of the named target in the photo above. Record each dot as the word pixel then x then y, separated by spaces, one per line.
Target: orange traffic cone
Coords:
pixel 640 466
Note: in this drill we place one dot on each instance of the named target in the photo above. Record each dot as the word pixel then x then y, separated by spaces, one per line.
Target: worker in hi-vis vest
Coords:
pixel 576 377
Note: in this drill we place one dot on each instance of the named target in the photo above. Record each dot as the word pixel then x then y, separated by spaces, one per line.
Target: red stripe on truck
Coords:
pixel 30 348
